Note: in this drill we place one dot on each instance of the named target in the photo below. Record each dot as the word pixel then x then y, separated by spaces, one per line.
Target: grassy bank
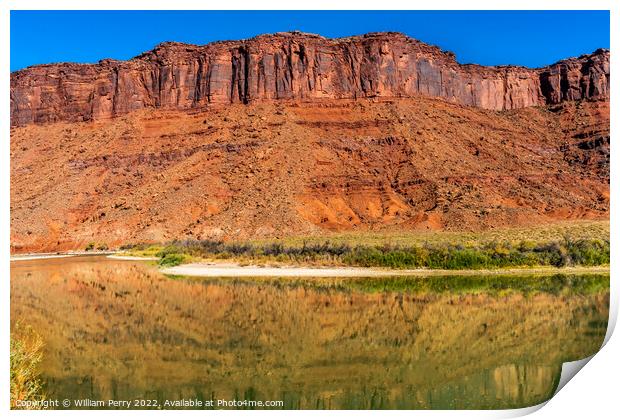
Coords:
pixel 26 355
pixel 565 252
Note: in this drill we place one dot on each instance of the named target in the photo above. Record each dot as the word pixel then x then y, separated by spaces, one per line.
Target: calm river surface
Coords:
pixel 121 330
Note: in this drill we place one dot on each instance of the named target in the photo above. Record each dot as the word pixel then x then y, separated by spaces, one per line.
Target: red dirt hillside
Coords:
pixel 314 160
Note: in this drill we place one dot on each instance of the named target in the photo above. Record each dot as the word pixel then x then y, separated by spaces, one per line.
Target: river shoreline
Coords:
pixel 49 255
pixel 236 270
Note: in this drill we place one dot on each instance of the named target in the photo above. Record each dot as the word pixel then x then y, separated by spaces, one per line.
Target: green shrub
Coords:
pixel 170 260
pixel 490 255
pixel 169 249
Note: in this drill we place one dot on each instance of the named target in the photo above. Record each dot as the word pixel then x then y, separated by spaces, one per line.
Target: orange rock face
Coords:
pixel 292 66
pixel 293 134
pixel 271 170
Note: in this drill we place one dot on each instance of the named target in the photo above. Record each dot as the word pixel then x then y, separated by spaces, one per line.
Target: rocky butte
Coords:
pixel 295 66
pixel 296 134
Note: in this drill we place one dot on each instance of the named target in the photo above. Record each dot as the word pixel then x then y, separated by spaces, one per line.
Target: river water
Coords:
pixel 121 330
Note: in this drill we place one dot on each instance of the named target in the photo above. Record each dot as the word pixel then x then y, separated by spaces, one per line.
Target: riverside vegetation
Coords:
pixel 26 355
pixel 487 255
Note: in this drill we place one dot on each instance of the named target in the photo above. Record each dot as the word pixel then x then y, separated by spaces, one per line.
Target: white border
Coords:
pixel 593 394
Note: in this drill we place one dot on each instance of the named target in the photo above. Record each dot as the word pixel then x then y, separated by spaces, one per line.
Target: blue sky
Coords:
pixel 529 38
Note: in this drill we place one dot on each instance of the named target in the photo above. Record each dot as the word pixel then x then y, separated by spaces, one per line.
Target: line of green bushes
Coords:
pixel 91 246
pixel 562 253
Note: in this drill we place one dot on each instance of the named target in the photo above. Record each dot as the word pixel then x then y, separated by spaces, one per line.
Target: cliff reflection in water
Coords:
pixel 121 330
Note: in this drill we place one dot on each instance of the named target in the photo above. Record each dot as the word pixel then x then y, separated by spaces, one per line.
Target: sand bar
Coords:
pixel 38 257
pixel 235 270
pixel 45 256
pixel 132 258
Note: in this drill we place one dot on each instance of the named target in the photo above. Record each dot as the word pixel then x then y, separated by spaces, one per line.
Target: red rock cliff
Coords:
pixel 292 66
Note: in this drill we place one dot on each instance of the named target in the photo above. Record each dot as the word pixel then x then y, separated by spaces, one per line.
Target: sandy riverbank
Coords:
pixel 44 256
pixel 37 257
pixel 235 270
pixel 132 258
pixel 27 257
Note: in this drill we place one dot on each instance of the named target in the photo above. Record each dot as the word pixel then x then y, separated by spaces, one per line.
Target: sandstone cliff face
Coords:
pixel 292 66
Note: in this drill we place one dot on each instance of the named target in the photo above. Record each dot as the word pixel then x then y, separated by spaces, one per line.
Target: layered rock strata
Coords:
pixel 292 66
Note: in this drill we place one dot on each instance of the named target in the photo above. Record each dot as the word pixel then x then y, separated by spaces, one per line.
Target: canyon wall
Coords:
pixel 293 66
